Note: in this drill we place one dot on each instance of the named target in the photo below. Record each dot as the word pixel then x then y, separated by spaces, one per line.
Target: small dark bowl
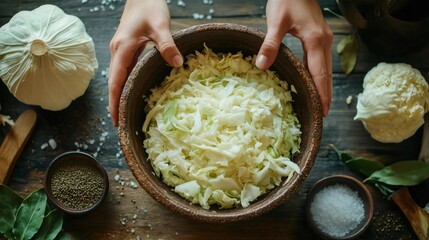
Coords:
pixel 226 38
pixel 354 185
pixel 75 158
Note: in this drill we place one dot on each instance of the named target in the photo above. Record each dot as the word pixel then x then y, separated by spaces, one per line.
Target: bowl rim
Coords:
pixel 355 185
pixel 222 215
pixel 88 159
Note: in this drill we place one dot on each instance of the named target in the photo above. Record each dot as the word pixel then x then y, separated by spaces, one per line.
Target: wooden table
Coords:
pixel 130 213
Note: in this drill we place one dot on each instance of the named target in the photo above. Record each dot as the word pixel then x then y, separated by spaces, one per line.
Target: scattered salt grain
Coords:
pixel 198 16
pixel 427 208
pixel 44 146
pixel 349 99
pixel 133 185
pixel 337 210
pixel 117 177
pixel 181 3
pixel 52 143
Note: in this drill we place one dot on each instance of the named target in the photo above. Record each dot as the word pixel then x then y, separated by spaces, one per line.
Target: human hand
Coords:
pixel 304 20
pixel 141 22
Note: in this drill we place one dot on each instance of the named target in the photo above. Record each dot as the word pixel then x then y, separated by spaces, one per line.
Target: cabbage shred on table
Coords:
pixel 221 131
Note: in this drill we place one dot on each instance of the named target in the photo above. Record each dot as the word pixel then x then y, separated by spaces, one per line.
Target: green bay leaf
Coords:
pixel 9 204
pixel 30 215
pixel 51 226
pixel 348 49
pixel 402 173
pixel 342 155
pixel 364 166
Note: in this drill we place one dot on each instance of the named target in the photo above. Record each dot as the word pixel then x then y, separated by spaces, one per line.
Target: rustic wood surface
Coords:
pixel 130 213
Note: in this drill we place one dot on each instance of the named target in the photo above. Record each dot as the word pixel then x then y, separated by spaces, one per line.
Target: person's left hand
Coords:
pixel 304 20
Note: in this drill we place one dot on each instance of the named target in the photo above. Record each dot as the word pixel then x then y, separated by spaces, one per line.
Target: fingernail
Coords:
pixel 177 61
pixel 261 61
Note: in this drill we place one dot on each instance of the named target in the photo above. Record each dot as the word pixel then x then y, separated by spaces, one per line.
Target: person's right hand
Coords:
pixel 142 21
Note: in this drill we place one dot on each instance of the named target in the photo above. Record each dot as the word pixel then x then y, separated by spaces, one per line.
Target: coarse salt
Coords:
pixel 337 210
pixel 52 143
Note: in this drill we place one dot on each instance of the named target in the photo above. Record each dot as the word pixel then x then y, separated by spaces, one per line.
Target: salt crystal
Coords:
pixel 133 185
pixel 44 146
pixel 197 16
pixel 117 177
pixel 181 3
pixel 52 143
pixel 349 99
pixel 337 210
pixel 427 208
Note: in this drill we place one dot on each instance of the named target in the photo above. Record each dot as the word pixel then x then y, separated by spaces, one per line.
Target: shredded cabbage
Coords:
pixel 221 131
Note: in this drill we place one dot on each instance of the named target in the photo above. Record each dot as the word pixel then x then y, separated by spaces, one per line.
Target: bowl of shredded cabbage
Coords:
pixel 219 140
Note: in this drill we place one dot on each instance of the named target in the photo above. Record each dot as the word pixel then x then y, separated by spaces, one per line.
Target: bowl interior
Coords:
pixel 81 159
pixel 152 70
pixel 355 185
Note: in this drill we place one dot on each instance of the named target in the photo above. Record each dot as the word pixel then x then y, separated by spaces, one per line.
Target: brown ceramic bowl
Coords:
pixel 152 70
pixel 72 169
pixel 354 185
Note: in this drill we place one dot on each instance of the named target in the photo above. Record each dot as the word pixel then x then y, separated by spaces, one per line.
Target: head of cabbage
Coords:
pixel 393 103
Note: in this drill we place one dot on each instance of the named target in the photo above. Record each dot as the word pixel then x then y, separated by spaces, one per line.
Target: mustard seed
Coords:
pixel 77 184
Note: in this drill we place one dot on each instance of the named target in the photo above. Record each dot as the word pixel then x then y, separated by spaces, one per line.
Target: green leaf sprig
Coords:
pixel 348 49
pixel 386 178
pixel 28 218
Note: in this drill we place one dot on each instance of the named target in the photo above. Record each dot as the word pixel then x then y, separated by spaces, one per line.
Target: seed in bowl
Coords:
pixel 77 184
pixel 220 131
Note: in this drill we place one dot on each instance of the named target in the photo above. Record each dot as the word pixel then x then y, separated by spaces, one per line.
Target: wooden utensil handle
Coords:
pixel 417 217
pixel 14 143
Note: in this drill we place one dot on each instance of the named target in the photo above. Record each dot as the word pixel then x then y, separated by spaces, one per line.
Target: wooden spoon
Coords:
pixel 418 218
pixel 14 143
